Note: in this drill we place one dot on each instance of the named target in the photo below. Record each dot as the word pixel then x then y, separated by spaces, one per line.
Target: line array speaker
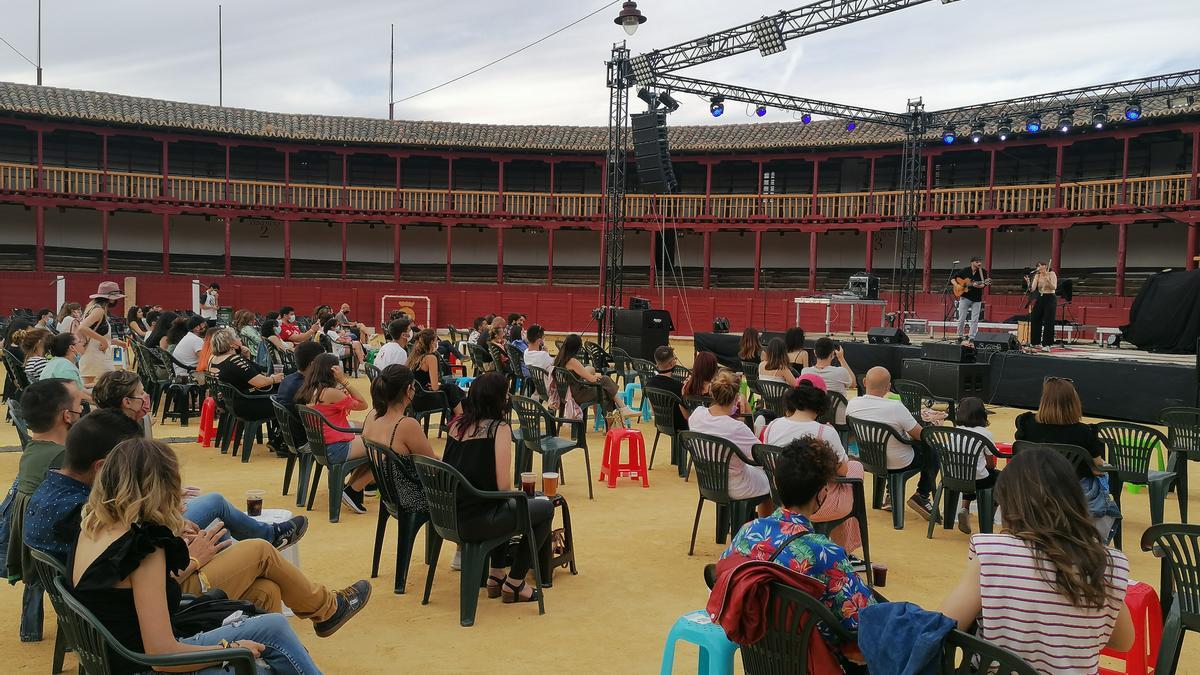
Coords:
pixel 655 172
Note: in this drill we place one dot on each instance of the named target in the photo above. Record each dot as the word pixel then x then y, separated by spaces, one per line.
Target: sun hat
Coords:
pixel 109 290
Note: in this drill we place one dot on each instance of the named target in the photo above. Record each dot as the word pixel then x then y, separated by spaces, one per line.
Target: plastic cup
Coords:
pixel 254 502
pixel 879 571
pixel 529 483
pixel 550 483
pixel 278 368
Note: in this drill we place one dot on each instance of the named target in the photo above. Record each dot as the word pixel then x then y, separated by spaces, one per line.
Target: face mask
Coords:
pixel 144 410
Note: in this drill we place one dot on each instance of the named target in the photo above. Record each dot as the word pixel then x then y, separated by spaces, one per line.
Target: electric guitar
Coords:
pixel 960 285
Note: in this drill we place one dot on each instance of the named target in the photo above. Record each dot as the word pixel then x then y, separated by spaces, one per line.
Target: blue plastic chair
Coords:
pixel 627 397
pixel 716 651
pixel 464 382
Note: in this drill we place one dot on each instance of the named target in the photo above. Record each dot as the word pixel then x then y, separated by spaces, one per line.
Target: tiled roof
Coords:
pixel 105 108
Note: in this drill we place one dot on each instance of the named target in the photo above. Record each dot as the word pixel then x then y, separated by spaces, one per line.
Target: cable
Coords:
pixel 502 58
pixel 10 46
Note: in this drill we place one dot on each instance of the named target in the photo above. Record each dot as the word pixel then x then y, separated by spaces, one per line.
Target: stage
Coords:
pixel 1124 384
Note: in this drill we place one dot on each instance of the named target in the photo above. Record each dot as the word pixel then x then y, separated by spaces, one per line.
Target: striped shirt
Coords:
pixel 1025 614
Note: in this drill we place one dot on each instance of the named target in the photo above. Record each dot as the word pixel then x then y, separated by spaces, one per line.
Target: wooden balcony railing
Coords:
pixel 1154 191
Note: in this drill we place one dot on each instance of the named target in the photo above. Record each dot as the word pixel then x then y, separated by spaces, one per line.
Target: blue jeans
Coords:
pixel 204 509
pixel 32 606
pixel 284 653
pixel 337 452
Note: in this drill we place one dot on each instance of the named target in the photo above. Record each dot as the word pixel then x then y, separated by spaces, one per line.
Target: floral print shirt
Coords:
pixel 813 555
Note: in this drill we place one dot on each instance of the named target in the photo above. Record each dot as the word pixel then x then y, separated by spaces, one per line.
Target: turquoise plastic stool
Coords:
pixel 464 382
pixel 627 397
pixel 597 417
pixel 716 651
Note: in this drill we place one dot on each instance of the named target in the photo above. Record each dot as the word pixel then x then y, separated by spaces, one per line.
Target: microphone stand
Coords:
pixel 946 301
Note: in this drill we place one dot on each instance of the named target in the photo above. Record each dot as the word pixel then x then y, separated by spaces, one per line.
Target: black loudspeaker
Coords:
pixel 955 380
pixel 947 351
pixel 640 331
pixel 996 342
pixel 887 336
pixel 655 172
pixel 638 303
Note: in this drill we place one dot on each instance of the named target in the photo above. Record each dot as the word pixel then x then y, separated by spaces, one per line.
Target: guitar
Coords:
pixel 960 285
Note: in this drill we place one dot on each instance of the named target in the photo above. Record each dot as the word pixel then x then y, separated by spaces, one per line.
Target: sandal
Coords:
pixel 494 590
pixel 512 593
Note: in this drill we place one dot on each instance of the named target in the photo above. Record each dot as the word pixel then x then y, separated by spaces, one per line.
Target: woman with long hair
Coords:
pixel 793 340
pixel 135 318
pixel 327 390
pixel 129 547
pixel 745 481
pixel 162 328
pixel 245 324
pixel 270 332
pixel 1059 420
pixel 704 371
pixel 1046 588
pixel 426 369
pixel 389 425
pixel 972 415
pixel 68 314
pixel 96 332
pixel 33 345
pixel 750 348
pixel 479 445
pixel 804 404
pixel 584 396
pixel 776 367
pixel 179 328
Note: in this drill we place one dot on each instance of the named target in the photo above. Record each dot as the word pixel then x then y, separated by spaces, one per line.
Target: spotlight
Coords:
pixel 630 18
pixel 1004 129
pixel 716 106
pixel 761 111
pixel 851 125
pixel 976 131
pixel 668 101
pixel 949 135
pixel 1033 124
pixel 805 118
pixel 1066 120
pixel 1099 116
pixel 1133 111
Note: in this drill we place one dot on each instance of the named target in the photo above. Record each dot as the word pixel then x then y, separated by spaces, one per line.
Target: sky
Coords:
pixel 305 56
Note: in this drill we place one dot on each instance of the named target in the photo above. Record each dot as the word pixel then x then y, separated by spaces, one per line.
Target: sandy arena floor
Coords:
pixel 635 577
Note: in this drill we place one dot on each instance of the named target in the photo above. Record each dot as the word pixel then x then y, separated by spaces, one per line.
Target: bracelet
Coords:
pixel 196 562
pixel 224 644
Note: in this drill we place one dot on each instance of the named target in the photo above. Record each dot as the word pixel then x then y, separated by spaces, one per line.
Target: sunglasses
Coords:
pixel 1056 378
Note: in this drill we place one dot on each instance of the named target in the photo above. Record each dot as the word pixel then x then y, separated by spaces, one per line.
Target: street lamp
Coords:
pixel 630 17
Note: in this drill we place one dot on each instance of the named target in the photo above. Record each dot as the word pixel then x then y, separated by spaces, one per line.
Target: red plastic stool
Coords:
pixel 1147 632
pixel 611 465
pixel 208 430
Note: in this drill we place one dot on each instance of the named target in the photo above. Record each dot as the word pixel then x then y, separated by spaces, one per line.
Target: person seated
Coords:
pixel 479 445
pixel 128 548
pixel 805 470
pixel 45 319
pixel 426 370
pixel 750 348
pixel 64 354
pixel 33 345
pixel 269 328
pixel 246 326
pixel 250 569
pixel 536 354
pixel 342 342
pixel 704 371
pixel 289 331
pixel 874 406
pixel 664 362
pixel 1059 420
pixel 234 369
pixel 1046 588
pixel 972 415
pixel 793 340
pixel 356 328
pixel 187 350
pixel 496 338
pixel 584 395
pixel 389 425
pixel 745 481
pixel 395 352
pixel 327 390
pixel 159 336
pixel 838 378
pixel 804 404
pixel 775 367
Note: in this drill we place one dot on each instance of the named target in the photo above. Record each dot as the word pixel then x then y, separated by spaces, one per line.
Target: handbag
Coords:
pixel 208 611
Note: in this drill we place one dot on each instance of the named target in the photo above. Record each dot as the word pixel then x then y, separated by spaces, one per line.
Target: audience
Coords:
pixel 234 369
pixel 68 314
pixel 395 352
pixel 793 340
pixel 664 363
pixel 158 336
pixel 536 354
pixel 704 371
pixel 45 319
pixel 775 367
pixel 479 445
pixel 1058 420
pixel 12 339
pixel 64 352
pixel 187 350
pixel 972 415
pixel 33 345
pixel 745 481
pixel 123 391
pixel 1046 588
pixel 585 395
pixel 905 452
pixel 269 328
pixel 209 301
pixel 389 425
pixel 289 331
pixel 342 342
pixel 839 378
pixel 476 327
pixel 135 318
pixel 750 348
pixel 804 404
pixel 327 390
pixel 423 362
pixel 245 324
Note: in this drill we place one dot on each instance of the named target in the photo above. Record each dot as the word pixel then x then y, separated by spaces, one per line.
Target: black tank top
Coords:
pixel 475 459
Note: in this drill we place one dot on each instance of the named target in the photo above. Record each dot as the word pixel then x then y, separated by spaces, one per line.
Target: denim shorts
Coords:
pixel 337 452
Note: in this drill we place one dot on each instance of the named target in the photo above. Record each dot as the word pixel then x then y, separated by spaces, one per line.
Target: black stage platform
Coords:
pixel 1121 389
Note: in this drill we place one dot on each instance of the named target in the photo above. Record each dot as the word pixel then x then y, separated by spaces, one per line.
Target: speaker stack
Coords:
pixel 640 331
pixel 655 173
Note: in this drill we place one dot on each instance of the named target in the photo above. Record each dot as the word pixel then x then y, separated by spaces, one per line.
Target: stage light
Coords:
pixel 1133 111
pixel 1099 116
pixel 630 18
pixel 976 131
pixel 716 106
pixel 1033 124
pixel 668 101
pixel 642 70
pixel 768 36
pixel 949 135
pixel 805 118
pixel 1066 120
pixel 851 125
pixel 761 111
pixel 1004 129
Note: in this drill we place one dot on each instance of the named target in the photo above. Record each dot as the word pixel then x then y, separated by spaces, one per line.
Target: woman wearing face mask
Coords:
pixel 64 354
pixel 122 390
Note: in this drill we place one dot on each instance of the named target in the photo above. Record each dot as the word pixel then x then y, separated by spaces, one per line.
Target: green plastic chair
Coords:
pixel 393 473
pixel 297 451
pixel 47 567
pixel 539 434
pixel 710 456
pixel 872 452
pixel 964 654
pixel 664 403
pixel 914 395
pixel 1129 451
pixel 1183 441
pixel 314 426
pixel 1178 545
pixel 958 453
pixel 750 370
pixel 792 615
pixel 774 394
pixel 249 427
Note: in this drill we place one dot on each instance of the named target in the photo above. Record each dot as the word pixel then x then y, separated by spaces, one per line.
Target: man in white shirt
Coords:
pixel 187 351
pixel 874 406
pixel 211 302
pixel 536 354
pixel 394 352
pixel 837 378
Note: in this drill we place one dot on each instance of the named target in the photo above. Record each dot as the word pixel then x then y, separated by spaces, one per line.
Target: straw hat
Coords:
pixel 109 290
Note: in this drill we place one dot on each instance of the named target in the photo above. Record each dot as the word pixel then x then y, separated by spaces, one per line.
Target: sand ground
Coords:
pixel 635 576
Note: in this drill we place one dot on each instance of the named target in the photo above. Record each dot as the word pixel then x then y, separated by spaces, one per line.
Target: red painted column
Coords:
pixel 40 179
pixel 166 244
pixel 104 164
pixel 760 206
pixel 870 256
pixel 816 175
pixel 871 200
pixel 500 183
pixel 927 261
pixel 227 186
pixel 1122 250
pixel 449 191
pixel 812 262
pixel 653 257
pixel 757 257
pixel 344 228
pixel 39 255
pixel 603 248
pixel 708 193
pixel 165 187
pixel 707 257
pixel 104 241
pixel 1058 169
pixel 500 255
pixel 1124 172
pixel 1193 234
pixel 550 255
pixel 991 195
pixel 1056 239
pixel 449 250
pixel 228 250
pixel 396 252
pixel 287 249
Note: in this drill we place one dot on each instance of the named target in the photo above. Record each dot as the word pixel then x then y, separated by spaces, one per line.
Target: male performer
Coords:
pixel 1042 285
pixel 973 278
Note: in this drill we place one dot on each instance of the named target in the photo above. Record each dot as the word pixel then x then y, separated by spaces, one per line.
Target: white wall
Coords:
pixel 472 247
pixel 526 248
pixel 954 244
pixel 1148 246
pixel 577 248
pixel 364 244
pixel 1086 247
pixel 637 248
pixel 784 249
pixel 17 225
pixel 422 245
pixel 194 235
pixel 316 240
pixel 257 238
pixel 732 250
pixel 135 231
pixel 1020 248
pixel 841 249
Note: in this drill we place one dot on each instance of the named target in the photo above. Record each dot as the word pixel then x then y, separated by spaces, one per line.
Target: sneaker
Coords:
pixel 456 563
pixel 290 532
pixel 921 505
pixel 350 601
pixel 371 490
pixel 353 499
pixel 964 521
pixel 887 503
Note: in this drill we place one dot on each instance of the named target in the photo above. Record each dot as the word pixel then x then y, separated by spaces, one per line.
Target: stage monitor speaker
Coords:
pixel 887 336
pixel 638 322
pixel 954 380
pixel 653 156
pixel 949 352
pixel 996 342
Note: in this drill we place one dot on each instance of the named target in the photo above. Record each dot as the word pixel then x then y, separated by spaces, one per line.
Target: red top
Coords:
pixel 339 414
pixel 287 330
